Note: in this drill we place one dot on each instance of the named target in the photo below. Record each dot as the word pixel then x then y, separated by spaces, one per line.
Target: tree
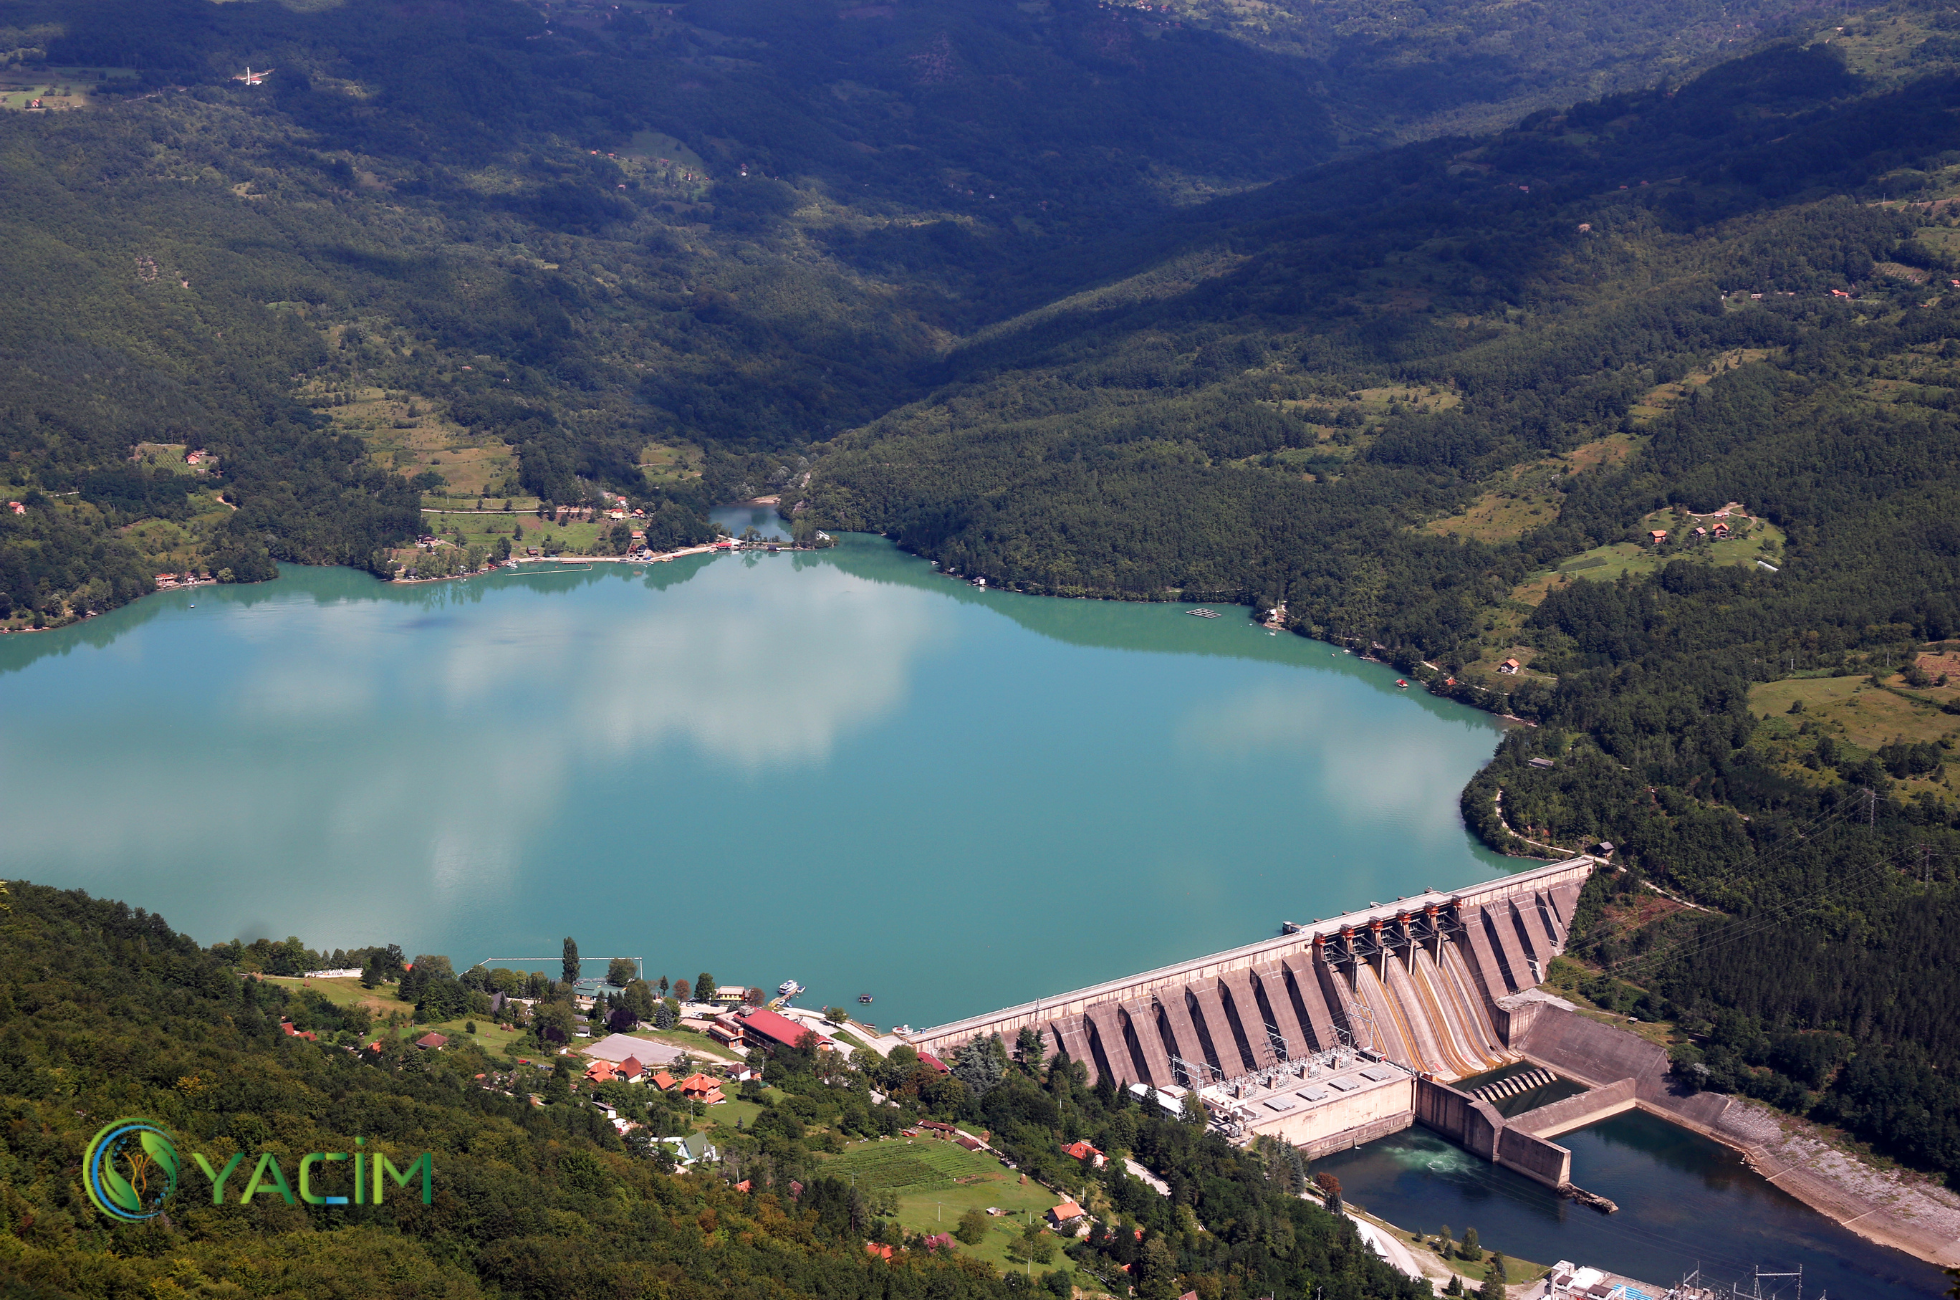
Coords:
pixel 836 1015
pixel 704 987
pixel 980 1064
pixel 1194 1110
pixel 681 991
pixel 972 1228
pixel 1156 1270
pixel 621 971
pixel 1331 1187
pixel 1469 1248
pixel 1498 1274
pixel 571 962
pixel 1027 1047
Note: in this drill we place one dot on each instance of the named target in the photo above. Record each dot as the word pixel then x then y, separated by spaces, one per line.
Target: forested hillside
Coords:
pixel 106 1012
pixel 1440 403
pixel 586 239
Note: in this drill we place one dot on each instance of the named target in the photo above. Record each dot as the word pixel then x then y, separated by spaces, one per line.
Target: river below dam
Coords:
pixel 1685 1202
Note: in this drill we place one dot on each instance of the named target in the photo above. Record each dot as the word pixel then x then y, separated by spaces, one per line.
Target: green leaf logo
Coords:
pixel 130 1169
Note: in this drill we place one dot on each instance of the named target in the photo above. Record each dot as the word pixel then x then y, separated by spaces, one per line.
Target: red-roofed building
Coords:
pixel 927 1058
pixel 1083 1151
pixel 631 1068
pixel 699 1087
pixel 744 1185
pixel 286 1027
pixel 429 1042
pixel 1066 1212
pixel 764 1028
pixel 878 1250
pixel 662 1080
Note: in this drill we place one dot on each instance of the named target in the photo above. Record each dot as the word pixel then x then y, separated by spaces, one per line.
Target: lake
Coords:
pixel 839 767
pixel 1685 1202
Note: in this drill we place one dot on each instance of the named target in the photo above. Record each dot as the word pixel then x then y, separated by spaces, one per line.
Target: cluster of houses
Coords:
pixel 188 578
pixel 1720 529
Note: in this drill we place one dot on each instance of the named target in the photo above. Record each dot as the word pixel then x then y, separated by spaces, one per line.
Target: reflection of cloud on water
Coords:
pixel 384 770
pixel 1372 767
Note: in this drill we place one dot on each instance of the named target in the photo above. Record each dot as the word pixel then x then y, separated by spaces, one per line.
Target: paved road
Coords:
pixel 1399 1257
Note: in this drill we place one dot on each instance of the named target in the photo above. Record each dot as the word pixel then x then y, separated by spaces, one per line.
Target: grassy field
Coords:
pixel 1516 500
pixel 1861 717
pixel 410 433
pixel 664 463
pixel 937 1182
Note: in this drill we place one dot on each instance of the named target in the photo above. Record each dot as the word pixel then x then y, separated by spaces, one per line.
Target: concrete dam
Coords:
pixel 1338 1032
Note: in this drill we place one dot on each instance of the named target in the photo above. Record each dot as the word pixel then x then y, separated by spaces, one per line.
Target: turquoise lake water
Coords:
pixel 838 767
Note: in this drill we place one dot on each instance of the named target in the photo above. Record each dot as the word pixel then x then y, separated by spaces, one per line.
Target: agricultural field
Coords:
pixel 663 463
pixel 936 1182
pixel 411 434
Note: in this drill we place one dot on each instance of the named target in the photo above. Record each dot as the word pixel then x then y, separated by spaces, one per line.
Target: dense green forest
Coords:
pixel 106 1012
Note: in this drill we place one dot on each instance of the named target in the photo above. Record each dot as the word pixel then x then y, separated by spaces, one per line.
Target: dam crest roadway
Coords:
pixel 1337 1032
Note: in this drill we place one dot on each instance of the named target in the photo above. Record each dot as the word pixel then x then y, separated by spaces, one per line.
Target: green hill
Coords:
pixel 106 1013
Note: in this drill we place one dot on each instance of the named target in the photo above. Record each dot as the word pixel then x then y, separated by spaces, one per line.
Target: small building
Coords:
pixel 601 1072
pixel 1509 667
pixel 17 507
pixel 286 1027
pixel 432 1042
pixel 661 1080
pixel 631 1069
pixel 1066 1212
pixel 1083 1151
pixel 701 1088
pixel 1721 529
pixel 933 1062
pixel 1657 536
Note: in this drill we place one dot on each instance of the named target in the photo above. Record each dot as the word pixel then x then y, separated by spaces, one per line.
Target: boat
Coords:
pixel 788 989
pixel 865 999
pixel 1403 684
pixel 1202 613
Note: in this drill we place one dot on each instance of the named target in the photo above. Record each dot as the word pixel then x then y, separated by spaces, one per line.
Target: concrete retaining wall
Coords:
pixel 1576 1112
pixel 1534 1157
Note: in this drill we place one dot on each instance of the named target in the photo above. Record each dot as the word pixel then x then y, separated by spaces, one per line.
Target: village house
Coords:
pixel 701 1088
pixel 432 1042
pixel 1658 536
pixel 1509 667
pixel 1083 1151
pixel 1066 1212
pixel 1721 529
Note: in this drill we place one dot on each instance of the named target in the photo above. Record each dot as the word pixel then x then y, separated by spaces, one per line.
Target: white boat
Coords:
pixel 788 989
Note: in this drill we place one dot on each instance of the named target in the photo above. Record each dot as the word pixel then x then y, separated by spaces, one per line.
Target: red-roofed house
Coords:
pixel 699 1087
pixel 286 1027
pixel 631 1068
pixel 878 1250
pixel 927 1058
pixel 601 1072
pixel 1083 1151
pixel 662 1080
pixel 428 1042
pixel 1066 1212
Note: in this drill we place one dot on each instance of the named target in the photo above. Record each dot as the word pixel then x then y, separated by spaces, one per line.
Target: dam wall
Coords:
pixel 1418 982
pixel 1475 1125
